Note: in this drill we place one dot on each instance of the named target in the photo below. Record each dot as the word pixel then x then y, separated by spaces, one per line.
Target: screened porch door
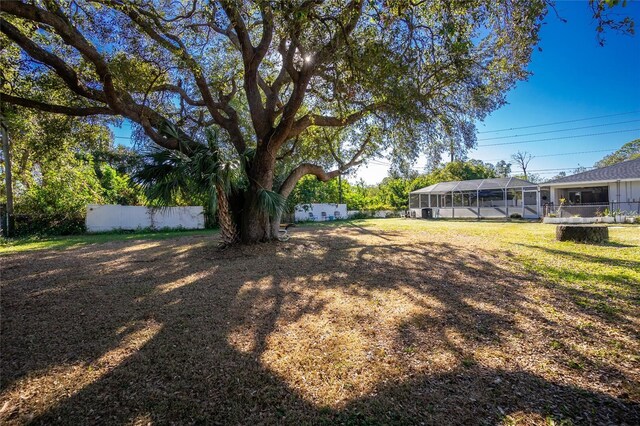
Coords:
pixel 530 204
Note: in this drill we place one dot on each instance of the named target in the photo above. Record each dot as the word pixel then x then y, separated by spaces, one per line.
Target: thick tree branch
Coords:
pixel 251 58
pixel 327 121
pixel 312 169
pixel 174 45
pixel 71 36
pixel 348 21
pixel 179 90
pixel 59 109
pixel 61 68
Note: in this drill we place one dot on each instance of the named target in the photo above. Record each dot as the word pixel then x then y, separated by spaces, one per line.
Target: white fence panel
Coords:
pixel 101 218
pixel 191 217
pixel 319 212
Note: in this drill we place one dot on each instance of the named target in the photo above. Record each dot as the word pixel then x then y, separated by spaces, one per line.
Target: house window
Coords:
pixel 594 195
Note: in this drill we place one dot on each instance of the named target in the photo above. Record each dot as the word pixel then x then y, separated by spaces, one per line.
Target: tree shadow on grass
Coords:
pixel 338 327
pixel 599 290
pixel 605 259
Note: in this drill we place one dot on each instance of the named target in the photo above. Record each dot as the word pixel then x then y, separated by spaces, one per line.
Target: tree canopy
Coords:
pixel 296 87
pixel 628 151
pixel 60 164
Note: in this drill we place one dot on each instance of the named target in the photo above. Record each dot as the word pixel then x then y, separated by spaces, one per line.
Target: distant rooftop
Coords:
pixel 475 185
pixel 629 169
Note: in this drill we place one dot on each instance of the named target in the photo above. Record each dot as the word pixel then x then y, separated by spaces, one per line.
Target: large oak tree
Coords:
pixel 295 87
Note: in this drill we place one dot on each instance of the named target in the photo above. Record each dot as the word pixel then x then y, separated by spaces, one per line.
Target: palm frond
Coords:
pixel 271 202
pixel 164 176
pixel 247 157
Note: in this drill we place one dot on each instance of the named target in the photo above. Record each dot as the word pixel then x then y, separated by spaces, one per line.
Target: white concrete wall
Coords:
pixel 101 218
pixel 302 212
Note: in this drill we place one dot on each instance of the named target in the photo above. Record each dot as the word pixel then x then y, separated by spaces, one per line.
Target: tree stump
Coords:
pixel 582 233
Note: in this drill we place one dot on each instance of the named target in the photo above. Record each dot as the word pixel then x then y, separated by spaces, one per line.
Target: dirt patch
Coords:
pixel 348 325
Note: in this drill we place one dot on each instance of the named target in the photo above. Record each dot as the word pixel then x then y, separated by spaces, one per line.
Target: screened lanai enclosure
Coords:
pixel 480 198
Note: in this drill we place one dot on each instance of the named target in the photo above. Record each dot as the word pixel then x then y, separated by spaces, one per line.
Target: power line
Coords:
pixel 558 122
pixel 383 163
pixel 541 173
pixel 560 138
pixel 574 153
pixel 553 170
pixel 558 155
pixel 560 130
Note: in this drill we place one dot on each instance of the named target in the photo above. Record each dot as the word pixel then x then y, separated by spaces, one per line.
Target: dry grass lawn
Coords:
pixel 373 322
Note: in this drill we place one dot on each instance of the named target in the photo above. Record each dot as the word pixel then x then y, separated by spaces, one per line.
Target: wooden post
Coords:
pixel 9 219
pixel 478 202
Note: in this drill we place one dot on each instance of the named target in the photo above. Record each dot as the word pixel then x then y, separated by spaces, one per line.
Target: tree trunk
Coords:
pixel 228 229
pixel 256 225
pixel 9 223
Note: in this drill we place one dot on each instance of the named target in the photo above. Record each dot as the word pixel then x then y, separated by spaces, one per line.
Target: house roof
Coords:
pixel 475 185
pixel 629 169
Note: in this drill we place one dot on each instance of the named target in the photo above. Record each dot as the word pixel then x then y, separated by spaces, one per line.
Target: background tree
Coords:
pixel 275 76
pixel 531 177
pixel 522 159
pixel 459 170
pixel 503 169
pixel 55 174
pixel 628 151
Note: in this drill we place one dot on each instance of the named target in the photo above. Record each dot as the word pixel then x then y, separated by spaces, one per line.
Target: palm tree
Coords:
pixel 196 171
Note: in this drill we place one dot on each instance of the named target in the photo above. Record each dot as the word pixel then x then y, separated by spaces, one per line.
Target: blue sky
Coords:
pixel 574 78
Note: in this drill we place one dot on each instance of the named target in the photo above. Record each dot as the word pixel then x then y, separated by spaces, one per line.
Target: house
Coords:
pixel 589 193
pixel 479 198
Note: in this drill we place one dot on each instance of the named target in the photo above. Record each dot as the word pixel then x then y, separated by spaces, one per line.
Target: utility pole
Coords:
pixel 9 221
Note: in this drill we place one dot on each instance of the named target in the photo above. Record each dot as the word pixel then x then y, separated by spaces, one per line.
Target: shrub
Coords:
pixel 515 216
pixel 49 224
pixel 56 205
pixel 360 215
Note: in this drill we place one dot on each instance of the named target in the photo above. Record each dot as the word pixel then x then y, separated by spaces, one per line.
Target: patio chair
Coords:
pixel 323 215
pixel 337 215
pixel 312 217
pixel 283 234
